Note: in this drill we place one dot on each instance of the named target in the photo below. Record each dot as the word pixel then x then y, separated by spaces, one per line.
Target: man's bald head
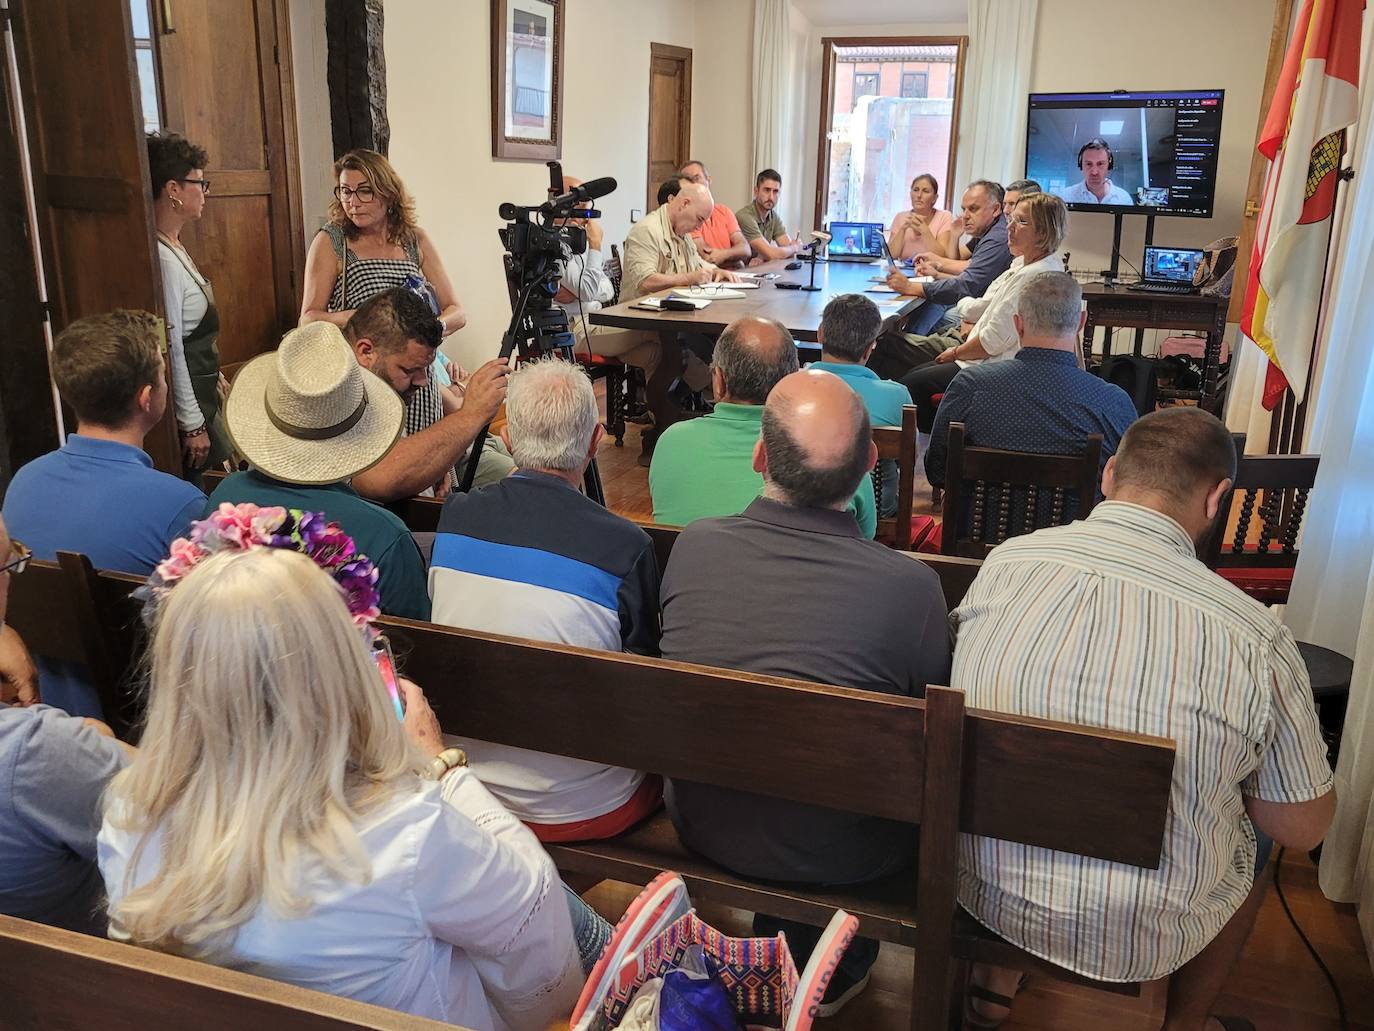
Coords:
pixel 690 208
pixel 752 355
pixel 817 444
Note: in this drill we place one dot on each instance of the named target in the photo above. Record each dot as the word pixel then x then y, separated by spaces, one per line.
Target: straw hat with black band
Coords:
pixel 308 413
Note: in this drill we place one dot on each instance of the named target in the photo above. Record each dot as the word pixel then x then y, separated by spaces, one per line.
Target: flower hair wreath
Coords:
pixel 241 527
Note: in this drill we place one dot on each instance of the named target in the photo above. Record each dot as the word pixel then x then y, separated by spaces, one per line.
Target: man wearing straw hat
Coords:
pixel 308 418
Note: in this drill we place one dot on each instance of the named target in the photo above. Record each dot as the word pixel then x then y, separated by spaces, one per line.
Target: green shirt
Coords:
pixel 377 533
pixel 770 228
pixel 704 467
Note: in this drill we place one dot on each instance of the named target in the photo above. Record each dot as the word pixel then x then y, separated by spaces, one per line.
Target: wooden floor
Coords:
pixel 1276 984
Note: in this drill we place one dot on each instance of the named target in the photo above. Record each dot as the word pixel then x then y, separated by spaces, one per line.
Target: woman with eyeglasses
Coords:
pixel 176 167
pixel 371 243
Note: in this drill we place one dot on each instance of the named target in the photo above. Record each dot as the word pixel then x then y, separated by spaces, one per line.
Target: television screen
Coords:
pixel 1153 153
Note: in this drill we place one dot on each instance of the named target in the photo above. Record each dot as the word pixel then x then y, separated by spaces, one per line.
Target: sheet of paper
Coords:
pixel 656 303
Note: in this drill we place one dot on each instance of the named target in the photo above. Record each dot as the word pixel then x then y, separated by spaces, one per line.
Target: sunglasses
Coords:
pixel 18 560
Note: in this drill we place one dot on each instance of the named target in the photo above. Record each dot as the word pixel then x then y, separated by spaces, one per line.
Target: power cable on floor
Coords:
pixel 1330 978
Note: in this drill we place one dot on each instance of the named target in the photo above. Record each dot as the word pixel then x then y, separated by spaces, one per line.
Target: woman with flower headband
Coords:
pixel 280 818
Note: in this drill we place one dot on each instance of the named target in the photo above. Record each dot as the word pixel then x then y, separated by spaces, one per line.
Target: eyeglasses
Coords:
pixel 363 194
pixel 1016 221
pixel 204 184
pixel 18 560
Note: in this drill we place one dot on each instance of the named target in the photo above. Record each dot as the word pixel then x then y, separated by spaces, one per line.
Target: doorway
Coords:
pixel 670 114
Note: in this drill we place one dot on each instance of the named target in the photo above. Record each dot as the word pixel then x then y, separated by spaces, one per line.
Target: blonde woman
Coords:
pixel 280 818
pixel 1035 232
pixel 370 244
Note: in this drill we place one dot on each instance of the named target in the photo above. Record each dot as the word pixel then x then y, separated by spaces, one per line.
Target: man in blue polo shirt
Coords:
pixel 848 333
pixel 99 493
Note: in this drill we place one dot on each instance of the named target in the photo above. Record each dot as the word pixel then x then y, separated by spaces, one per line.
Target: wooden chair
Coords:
pixel 65 612
pixel 991 495
pixel 1276 488
pixel 61 979
pixel 898 444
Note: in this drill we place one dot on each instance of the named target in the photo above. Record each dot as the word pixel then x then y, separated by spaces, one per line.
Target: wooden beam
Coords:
pixel 357 75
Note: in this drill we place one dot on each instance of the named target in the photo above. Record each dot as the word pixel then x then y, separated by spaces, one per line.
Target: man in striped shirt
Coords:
pixel 1113 622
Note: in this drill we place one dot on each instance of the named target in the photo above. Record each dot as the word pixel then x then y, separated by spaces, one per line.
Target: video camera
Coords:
pixel 538 242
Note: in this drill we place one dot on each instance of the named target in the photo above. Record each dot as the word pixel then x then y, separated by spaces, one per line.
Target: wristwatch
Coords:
pixel 448 759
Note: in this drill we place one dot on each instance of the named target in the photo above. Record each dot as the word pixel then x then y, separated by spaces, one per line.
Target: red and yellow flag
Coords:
pixel 1315 100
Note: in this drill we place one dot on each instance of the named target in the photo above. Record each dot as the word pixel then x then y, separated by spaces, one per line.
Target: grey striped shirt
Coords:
pixel 1113 622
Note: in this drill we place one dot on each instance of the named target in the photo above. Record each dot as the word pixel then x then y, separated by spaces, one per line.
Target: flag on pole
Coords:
pixel 1315 100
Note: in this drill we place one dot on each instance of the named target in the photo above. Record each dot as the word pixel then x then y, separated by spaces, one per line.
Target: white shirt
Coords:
pixel 463 920
pixel 1112 622
pixel 186 305
pixel 1079 193
pixel 994 328
pixel 585 279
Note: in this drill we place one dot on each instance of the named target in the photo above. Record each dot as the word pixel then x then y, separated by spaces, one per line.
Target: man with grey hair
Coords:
pixel 1040 400
pixel 719 239
pixel 758 592
pixel 702 467
pixel 847 334
pixel 534 557
pixel 988 258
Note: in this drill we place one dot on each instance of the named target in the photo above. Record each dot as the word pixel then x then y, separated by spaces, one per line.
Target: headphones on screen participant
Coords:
pixel 1097 143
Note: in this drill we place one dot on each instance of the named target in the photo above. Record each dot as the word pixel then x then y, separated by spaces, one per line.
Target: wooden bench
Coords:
pixel 1079 790
pixel 61 979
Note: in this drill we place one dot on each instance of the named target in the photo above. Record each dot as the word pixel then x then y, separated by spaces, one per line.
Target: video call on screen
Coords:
pixel 1163 147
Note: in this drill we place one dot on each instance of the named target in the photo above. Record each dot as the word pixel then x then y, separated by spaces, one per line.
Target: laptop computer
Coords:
pixel 855 241
pixel 1168 270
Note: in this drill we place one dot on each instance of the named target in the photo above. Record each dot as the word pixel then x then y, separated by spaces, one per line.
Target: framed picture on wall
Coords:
pixel 527 79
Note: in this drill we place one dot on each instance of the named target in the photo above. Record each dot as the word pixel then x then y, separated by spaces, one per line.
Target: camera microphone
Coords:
pixel 587 191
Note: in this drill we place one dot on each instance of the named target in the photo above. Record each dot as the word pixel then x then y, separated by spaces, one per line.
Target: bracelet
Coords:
pixel 448 759
pixel 193 433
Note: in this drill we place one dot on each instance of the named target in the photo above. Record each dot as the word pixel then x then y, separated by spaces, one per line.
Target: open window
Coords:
pixel 889 111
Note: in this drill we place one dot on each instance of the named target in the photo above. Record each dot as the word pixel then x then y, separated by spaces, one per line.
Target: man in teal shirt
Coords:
pixel 309 418
pixel 705 467
pixel 848 332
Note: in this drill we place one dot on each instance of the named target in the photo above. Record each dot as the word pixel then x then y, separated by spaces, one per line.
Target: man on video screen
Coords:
pixel 1095 160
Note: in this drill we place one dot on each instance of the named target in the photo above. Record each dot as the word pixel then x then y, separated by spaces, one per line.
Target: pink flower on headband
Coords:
pixel 240 527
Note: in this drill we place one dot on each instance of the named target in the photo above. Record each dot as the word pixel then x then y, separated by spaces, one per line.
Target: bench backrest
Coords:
pixel 897 444
pixel 991 494
pixel 61 979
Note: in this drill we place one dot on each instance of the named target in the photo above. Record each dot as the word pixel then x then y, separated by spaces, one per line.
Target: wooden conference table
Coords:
pixel 798 310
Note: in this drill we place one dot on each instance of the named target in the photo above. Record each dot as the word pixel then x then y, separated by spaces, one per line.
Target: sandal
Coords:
pixel 977 993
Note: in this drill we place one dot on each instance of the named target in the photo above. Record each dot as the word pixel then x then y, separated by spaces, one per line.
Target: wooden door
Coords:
pixel 224 82
pixel 670 114
pixel 79 91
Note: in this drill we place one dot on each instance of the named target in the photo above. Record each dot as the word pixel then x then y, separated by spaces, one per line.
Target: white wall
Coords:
pixel 308 56
pixel 1224 46
pixel 439 101
pixel 722 96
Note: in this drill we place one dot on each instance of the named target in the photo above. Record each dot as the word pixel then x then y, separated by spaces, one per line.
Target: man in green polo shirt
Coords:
pixel 705 467
pixel 760 223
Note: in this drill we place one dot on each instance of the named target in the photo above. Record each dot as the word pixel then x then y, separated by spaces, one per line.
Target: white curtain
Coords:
pixel 1332 601
pixel 772 46
pixel 992 125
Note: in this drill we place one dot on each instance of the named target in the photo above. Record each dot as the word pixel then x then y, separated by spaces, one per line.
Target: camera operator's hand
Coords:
pixel 595 234
pixel 721 275
pixel 487 389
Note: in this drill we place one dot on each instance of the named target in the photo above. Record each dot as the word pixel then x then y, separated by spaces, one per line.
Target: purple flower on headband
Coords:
pixel 241 527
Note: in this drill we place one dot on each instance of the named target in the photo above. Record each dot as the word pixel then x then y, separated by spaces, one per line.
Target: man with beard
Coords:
pixel 394 335
pixel 760 223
